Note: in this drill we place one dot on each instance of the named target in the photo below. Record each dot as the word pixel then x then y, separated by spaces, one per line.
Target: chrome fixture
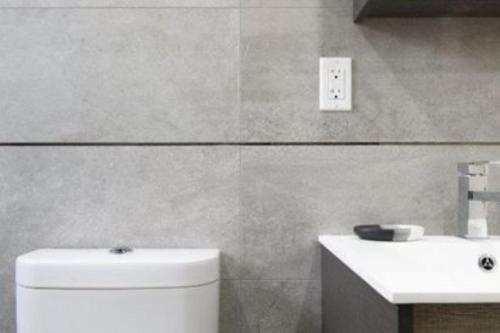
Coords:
pixel 473 196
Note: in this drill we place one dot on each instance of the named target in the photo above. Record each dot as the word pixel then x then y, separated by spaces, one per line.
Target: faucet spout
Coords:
pixel 473 196
pixel 484 196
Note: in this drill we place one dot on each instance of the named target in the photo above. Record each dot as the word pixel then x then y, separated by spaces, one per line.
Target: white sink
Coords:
pixel 436 269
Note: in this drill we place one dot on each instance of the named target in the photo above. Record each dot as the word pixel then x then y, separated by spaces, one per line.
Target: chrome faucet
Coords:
pixel 473 196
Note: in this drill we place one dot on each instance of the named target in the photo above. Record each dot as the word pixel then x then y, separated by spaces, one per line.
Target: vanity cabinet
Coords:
pixel 351 305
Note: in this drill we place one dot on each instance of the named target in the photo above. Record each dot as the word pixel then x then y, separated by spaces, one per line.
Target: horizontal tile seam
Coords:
pixel 121 7
pixel 256 279
pixel 243 144
pixel 165 7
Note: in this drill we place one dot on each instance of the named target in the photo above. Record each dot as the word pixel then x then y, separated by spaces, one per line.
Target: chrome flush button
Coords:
pixel 121 250
pixel 487 262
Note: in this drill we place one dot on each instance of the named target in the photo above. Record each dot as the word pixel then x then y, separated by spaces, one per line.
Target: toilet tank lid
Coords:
pixel 102 269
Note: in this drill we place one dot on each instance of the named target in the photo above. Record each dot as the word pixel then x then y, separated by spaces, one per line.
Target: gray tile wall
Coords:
pixel 414 79
pixel 172 72
pixel 119 74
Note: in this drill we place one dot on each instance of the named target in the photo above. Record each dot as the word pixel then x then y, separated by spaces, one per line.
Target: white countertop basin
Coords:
pixel 436 269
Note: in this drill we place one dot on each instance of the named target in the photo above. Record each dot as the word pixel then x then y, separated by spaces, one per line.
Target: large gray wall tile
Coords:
pixel 414 79
pixel 116 3
pixel 274 306
pixel 119 75
pixel 290 195
pixel 104 196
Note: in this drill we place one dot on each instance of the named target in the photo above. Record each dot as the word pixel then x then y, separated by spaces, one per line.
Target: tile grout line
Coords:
pixel 124 7
pixel 239 321
pixel 274 279
pixel 159 7
pixel 249 144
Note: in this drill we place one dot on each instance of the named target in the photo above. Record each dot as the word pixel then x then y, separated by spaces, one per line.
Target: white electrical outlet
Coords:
pixel 335 84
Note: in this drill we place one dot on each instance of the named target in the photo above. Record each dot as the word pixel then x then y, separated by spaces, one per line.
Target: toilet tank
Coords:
pixel 98 291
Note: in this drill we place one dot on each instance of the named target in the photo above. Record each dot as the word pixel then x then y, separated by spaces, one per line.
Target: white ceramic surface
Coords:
pixel 98 268
pixel 154 291
pixel 436 269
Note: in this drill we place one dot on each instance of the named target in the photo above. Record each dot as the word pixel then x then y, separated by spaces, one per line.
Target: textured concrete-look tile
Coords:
pixel 101 197
pixel 117 3
pixel 119 75
pixel 271 306
pixel 230 307
pixel 409 78
pixel 290 195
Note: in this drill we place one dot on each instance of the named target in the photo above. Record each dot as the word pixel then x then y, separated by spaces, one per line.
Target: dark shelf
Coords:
pixel 425 8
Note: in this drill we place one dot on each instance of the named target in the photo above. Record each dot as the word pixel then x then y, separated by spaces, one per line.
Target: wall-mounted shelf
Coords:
pixel 425 8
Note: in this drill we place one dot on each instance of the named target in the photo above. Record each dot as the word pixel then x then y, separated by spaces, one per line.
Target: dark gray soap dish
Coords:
pixel 389 232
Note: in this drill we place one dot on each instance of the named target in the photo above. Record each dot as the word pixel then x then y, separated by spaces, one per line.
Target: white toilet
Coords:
pixel 125 291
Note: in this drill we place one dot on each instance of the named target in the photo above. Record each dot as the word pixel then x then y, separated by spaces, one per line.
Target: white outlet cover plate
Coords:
pixel 335 84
